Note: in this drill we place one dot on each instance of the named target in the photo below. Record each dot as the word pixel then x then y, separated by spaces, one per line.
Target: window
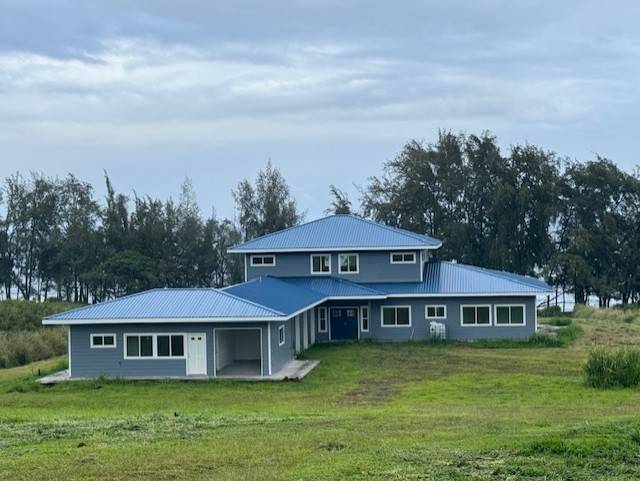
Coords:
pixel 321 264
pixel 348 263
pixel 364 318
pixel 435 312
pixel 475 315
pixel 403 257
pixel 103 340
pixel 281 335
pixel 322 319
pixel 154 346
pixel 396 316
pixel 263 261
pixel 510 315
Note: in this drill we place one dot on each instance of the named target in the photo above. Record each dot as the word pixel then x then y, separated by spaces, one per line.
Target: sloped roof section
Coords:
pixel 450 278
pixel 165 304
pixel 338 232
pixel 334 287
pixel 276 293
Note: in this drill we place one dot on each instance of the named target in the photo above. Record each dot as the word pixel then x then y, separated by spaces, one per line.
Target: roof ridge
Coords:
pixel 109 301
pixel 396 230
pixel 270 234
pixel 406 232
pixel 250 302
pixel 353 283
pixel 494 273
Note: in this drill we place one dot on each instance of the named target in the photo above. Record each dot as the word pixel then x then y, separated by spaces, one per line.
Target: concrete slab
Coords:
pixel 294 370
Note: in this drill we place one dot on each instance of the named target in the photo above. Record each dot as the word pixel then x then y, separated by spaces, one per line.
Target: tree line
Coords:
pixel 577 224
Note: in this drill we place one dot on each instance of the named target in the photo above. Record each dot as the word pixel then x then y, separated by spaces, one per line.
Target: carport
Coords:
pixel 238 352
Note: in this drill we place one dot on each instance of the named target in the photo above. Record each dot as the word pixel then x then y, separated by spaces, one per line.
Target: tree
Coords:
pixel 266 207
pixel 340 203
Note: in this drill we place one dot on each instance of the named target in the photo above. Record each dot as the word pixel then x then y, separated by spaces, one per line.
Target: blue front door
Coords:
pixel 344 323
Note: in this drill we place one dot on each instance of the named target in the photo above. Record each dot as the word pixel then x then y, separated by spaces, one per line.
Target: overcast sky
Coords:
pixel 153 91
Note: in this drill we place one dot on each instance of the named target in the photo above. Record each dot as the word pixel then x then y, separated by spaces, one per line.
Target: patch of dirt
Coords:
pixel 371 391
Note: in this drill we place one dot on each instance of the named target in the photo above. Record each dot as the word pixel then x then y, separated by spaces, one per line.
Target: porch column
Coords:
pixel 312 325
pixel 305 330
pixel 297 329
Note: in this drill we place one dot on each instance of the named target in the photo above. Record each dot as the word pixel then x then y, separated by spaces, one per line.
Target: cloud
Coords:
pixel 149 74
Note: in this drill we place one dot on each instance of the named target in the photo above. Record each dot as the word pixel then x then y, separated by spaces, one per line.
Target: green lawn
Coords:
pixel 368 411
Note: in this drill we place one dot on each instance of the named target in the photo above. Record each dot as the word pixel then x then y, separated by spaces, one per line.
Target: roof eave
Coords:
pixel 155 320
pixel 239 250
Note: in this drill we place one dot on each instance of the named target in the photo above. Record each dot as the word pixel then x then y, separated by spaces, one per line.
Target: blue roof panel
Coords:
pixel 169 304
pixel 338 232
pixel 333 287
pixel 449 278
pixel 276 293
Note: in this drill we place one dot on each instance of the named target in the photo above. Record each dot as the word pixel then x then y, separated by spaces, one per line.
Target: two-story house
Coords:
pixel 336 278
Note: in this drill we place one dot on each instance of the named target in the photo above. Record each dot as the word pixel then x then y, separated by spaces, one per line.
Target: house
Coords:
pixel 336 278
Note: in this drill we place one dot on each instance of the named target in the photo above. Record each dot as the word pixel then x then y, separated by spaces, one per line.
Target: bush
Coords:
pixel 558 321
pixel 550 311
pixel 22 347
pixel 617 368
pixel 626 314
pixel 18 315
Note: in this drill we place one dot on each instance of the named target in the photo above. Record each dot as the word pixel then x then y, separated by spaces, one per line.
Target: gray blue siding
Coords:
pixel 110 362
pixel 374 266
pixel 419 329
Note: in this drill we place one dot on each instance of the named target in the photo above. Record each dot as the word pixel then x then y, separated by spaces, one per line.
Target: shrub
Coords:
pixel 17 315
pixel 550 311
pixel 626 314
pixel 617 368
pixel 22 347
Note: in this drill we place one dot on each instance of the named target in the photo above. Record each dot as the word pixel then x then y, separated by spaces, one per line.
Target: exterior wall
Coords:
pixel 419 329
pixel 280 355
pixel 110 362
pixel 374 266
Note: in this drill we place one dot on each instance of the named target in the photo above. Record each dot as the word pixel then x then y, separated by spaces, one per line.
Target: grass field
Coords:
pixel 369 411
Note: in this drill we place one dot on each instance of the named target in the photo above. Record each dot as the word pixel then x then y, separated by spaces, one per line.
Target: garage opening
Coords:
pixel 238 352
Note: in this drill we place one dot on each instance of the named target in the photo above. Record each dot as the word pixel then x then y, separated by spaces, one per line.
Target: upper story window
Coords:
pixel 403 257
pixel 263 261
pixel 321 264
pixel 348 263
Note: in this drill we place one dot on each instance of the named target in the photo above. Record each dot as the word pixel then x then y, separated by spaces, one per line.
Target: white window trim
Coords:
pixel 462 306
pixel 362 316
pixel 319 273
pixel 357 271
pixel 435 306
pixel 524 315
pixel 284 339
pixel 326 319
pixel 263 256
pixel 99 334
pixel 396 325
pixel 154 345
pixel 403 253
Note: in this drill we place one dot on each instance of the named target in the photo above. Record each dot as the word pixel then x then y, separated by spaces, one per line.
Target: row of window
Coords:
pixel 144 345
pixel 347 263
pixel 470 315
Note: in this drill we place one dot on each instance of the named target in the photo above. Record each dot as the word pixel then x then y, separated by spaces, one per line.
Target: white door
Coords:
pixel 197 354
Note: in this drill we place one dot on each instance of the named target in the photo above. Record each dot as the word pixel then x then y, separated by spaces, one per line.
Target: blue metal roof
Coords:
pixel 170 304
pixel 271 298
pixel 338 232
pixel 334 287
pixel 449 278
pixel 277 293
